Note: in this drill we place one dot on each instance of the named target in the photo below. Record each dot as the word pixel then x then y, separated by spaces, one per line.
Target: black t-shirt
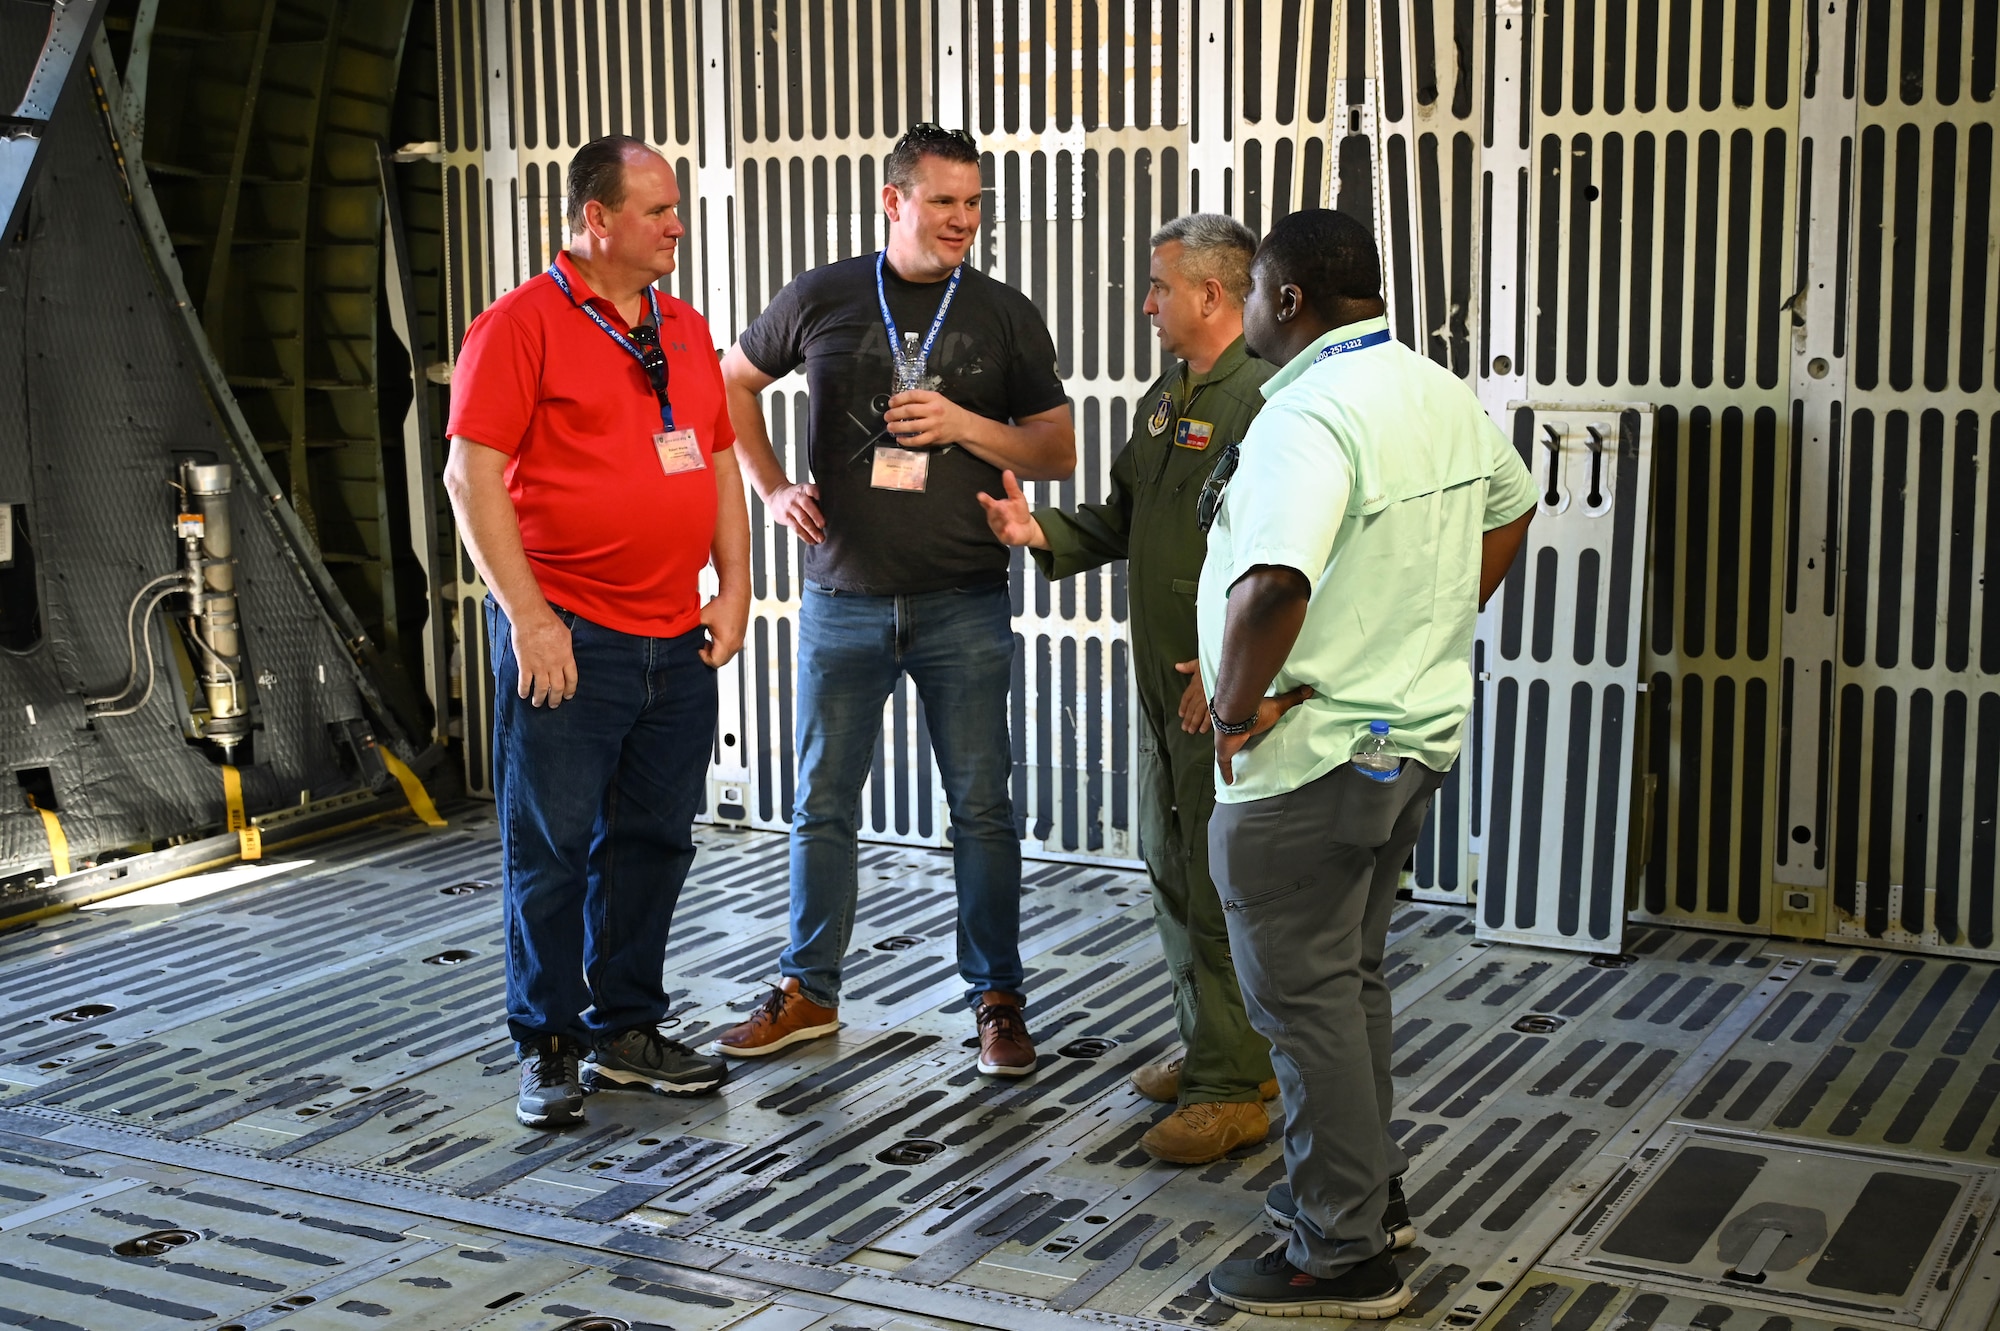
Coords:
pixel 995 358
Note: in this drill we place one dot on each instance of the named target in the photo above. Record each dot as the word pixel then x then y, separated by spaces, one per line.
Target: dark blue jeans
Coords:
pixel 596 800
pixel 958 649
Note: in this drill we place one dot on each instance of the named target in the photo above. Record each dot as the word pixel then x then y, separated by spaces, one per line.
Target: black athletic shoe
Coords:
pixel 1271 1286
pixel 1396 1222
pixel 643 1059
pixel 551 1096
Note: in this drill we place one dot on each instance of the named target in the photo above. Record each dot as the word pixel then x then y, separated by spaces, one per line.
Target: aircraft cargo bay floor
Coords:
pixel 288 1104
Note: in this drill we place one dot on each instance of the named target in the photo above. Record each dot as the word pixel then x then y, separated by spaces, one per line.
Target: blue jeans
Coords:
pixel 958 649
pixel 597 800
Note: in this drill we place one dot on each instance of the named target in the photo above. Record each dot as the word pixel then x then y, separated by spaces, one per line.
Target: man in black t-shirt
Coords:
pixel 926 379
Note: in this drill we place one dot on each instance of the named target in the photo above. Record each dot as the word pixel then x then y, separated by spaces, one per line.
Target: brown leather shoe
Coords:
pixel 1197 1134
pixel 786 1017
pixel 1162 1081
pixel 1004 1047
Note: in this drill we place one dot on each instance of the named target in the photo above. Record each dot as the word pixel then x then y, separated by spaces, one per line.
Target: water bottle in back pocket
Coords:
pixel 1375 761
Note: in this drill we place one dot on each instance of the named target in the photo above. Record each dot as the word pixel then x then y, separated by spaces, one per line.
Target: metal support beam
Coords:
pixel 420 464
pixel 138 65
pixel 215 296
pixel 72 24
pixel 1819 392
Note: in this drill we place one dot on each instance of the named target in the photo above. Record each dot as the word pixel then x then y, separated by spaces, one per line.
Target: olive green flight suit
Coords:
pixel 1149 519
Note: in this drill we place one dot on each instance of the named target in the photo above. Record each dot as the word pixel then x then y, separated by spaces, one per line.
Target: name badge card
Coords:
pixel 679 451
pixel 900 469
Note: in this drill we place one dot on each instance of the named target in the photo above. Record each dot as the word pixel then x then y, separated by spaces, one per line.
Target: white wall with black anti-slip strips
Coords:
pixel 1767 224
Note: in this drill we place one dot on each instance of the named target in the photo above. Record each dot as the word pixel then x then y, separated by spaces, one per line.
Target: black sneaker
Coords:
pixel 643 1059
pixel 1396 1222
pixel 551 1096
pixel 1271 1286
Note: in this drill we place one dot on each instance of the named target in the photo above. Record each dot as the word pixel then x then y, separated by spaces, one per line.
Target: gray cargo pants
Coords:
pixel 1308 885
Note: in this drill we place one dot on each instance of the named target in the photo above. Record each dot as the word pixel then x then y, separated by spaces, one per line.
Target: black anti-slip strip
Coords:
pixel 1468 1068
pixel 1440 1185
pixel 842 1206
pixel 870 1132
pixel 850 1071
pixel 818 1192
pixel 1807 1096
pixel 1469 1203
pixel 1767 1080
pixel 992 1152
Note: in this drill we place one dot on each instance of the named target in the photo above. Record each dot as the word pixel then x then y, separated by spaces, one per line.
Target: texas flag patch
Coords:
pixel 1193 434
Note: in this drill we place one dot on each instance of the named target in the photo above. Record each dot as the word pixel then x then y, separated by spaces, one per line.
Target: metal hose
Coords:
pixel 131 643
pixel 151 673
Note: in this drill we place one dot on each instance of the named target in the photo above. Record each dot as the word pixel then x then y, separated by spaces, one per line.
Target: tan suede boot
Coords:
pixel 1197 1134
pixel 1162 1081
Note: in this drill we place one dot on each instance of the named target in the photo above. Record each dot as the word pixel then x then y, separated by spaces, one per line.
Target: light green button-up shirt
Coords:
pixel 1374 473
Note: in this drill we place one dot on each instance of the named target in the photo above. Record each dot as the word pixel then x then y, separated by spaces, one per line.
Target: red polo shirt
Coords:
pixel 608 533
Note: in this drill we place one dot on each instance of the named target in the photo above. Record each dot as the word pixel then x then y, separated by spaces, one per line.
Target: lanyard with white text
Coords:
pixel 657 376
pixel 1374 339
pixel 889 320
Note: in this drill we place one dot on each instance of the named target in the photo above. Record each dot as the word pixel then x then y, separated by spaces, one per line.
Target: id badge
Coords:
pixel 900 469
pixel 679 451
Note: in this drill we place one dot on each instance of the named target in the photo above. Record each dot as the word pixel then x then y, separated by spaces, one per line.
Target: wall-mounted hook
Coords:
pixel 1552 440
pixel 1595 499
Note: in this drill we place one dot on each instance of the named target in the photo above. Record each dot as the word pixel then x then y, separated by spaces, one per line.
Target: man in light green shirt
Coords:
pixel 1372 509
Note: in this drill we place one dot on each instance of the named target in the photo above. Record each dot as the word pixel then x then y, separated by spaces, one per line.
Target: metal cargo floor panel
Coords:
pixel 288 1104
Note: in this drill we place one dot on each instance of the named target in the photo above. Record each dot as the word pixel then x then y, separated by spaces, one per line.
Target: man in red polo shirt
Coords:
pixel 593 477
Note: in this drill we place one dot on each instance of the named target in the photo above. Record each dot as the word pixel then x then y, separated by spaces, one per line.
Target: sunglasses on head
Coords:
pixel 926 130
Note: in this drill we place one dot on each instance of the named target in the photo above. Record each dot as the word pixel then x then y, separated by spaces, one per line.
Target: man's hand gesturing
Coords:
pixel 1010 519
pixel 796 505
pixel 544 661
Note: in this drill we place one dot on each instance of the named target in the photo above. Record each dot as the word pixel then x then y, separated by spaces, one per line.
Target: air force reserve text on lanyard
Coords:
pixel 678 450
pixel 907 468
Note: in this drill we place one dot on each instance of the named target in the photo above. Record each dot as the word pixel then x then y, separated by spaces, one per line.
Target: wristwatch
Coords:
pixel 1223 727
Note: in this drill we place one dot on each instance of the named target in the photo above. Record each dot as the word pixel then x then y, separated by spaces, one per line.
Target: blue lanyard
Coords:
pixel 1227 466
pixel 889 320
pixel 1374 339
pixel 653 304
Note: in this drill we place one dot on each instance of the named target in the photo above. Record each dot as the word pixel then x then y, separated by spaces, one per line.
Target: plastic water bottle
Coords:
pixel 909 370
pixel 1376 762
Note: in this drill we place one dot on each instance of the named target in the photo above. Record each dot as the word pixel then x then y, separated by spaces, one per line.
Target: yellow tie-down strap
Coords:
pixel 249 840
pixel 58 843
pixel 413 788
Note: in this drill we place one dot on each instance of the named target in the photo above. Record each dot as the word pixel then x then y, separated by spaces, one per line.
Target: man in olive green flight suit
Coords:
pixel 1200 406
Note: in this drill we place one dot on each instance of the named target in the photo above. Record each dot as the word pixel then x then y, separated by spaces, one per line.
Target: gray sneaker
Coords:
pixel 644 1059
pixel 551 1096
pixel 1396 1222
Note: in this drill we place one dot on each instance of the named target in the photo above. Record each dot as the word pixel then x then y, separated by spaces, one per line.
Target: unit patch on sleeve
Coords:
pixel 1193 434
